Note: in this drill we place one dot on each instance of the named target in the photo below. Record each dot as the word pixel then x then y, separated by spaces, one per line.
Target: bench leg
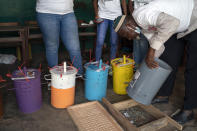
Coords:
pixel 30 53
pixel 18 53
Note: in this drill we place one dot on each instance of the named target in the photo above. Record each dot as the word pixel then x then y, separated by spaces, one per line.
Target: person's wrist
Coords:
pixel 152 49
pixel 96 17
pixel 151 52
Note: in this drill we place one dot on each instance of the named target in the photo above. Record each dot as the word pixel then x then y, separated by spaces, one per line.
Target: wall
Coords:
pixel 17 10
pixel 22 10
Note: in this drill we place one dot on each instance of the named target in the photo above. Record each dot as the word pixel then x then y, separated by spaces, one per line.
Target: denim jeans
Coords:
pixel 101 33
pixel 140 48
pixel 54 26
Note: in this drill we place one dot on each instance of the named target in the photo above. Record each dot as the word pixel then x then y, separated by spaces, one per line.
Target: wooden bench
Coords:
pixel 14 41
pixel 83 34
pixel 31 27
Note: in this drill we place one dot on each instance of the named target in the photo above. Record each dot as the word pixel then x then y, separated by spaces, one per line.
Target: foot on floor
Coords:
pixel 183 116
pixel 160 99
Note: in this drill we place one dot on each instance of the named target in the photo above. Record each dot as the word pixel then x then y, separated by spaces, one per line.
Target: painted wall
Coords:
pixel 22 10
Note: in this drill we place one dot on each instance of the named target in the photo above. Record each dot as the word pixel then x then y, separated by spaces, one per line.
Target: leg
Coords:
pixel 101 32
pixel 140 48
pixel 172 55
pixel 186 113
pixel 70 38
pixel 113 41
pixel 50 26
pixel 191 72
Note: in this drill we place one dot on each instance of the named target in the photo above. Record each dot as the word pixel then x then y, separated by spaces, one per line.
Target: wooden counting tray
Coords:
pixel 131 115
pixel 92 116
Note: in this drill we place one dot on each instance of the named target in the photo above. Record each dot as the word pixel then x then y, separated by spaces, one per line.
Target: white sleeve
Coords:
pixel 145 17
pixel 166 26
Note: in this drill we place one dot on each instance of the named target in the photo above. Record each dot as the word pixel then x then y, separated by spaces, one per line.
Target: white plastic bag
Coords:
pixel 7 59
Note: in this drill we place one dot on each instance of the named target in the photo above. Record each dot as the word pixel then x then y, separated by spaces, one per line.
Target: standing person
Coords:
pixel 140 44
pixel 105 13
pixel 164 26
pixel 56 19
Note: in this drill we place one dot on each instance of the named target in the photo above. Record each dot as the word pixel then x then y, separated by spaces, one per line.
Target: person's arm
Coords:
pixel 130 4
pixel 95 5
pixel 166 26
pixel 124 6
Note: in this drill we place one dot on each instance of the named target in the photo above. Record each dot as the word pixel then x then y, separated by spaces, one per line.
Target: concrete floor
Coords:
pixel 49 118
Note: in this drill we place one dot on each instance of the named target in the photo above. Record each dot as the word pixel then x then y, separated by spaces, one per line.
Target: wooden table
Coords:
pixel 15 40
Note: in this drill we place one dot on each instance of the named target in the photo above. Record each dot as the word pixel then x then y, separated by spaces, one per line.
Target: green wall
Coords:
pixel 17 10
pixel 84 10
pixel 22 10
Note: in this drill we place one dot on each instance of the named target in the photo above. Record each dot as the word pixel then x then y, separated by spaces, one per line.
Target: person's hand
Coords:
pixel 96 17
pixel 98 20
pixel 150 59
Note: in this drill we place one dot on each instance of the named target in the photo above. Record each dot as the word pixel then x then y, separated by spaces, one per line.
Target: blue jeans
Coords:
pixel 101 33
pixel 54 26
pixel 140 49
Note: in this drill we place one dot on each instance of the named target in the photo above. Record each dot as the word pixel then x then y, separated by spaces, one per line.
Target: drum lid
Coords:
pixel 60 70
pixel 95 66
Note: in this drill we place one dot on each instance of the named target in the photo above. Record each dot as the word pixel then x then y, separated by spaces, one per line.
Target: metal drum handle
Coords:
pixel 45 77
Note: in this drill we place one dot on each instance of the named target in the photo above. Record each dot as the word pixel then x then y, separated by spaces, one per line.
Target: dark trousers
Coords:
pixel 174 49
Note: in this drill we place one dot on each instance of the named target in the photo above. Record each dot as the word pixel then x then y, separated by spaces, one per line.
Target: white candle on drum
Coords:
pixel 64 67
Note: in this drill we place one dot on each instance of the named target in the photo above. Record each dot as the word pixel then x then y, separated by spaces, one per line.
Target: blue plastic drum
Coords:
pixel 96 80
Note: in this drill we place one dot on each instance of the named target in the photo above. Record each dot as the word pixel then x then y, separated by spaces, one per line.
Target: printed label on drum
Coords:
pixel 137 74
pixel 135 77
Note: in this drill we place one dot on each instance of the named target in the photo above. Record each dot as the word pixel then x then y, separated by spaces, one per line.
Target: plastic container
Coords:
pixel 122 74
pixel 28 91
pixel 62 98
pixel 147 82
pixel 96 76
pixel 1 103
pixel 62 85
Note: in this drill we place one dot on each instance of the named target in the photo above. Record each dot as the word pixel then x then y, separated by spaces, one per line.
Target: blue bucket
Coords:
pixel 96 80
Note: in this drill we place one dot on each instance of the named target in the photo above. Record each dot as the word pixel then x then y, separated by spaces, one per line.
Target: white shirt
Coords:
pixel 109 9
pixel 181 9
pixel 54 6
pixel 151 15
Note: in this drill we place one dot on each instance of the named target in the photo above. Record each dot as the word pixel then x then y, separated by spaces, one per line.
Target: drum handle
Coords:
pixel 45 77
pixel 125 64
pixel 79 76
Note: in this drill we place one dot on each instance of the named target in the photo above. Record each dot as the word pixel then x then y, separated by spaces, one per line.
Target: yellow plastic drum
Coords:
pixel 122 74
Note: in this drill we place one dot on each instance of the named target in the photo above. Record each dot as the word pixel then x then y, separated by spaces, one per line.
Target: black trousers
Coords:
pixel 174 49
